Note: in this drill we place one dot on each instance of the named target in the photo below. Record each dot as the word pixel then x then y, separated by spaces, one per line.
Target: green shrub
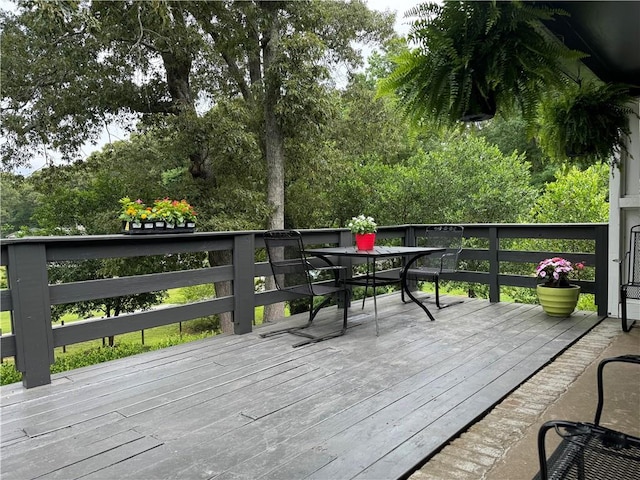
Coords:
pixel 197 326
pixel 9 374
pixel 196 293
pixel 96 355
pixel 92 356
pixel 178 339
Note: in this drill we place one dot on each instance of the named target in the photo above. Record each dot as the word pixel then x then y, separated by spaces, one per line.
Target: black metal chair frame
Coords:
pixel 630 285
pixel 589 450
pixel 438 236
pixel 366 280
pixel 295 264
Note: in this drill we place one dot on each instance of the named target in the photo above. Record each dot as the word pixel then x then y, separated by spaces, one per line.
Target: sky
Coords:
pixel 400 7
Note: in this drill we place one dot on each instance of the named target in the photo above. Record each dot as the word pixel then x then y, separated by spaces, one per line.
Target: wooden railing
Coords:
pixel 30 295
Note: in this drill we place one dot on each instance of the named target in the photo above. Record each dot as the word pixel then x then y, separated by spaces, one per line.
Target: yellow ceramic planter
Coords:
pixel 558 301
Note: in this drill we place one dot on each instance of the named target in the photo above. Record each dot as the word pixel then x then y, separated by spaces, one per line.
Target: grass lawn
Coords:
pixel 152 336
pixel 5 322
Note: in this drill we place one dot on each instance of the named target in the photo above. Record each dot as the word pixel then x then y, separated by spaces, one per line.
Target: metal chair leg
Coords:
pixel 623 301
pixel 312 313
pixel 316 339
pixel 626 323
pixel 443 305
pixel 437 300
pixel 366 286
pixel 296 330
pixel 404 300
pixel 364 298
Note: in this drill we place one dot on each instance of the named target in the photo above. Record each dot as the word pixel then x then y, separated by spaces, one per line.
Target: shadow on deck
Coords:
pixel 233 407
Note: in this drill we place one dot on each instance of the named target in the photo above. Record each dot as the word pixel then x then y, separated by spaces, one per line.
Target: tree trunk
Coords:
pixel 116 312
pixel 274 143
pixel 177 65
pixel 223 289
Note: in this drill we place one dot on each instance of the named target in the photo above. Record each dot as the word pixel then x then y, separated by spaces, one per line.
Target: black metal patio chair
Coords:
pixel 294 273
pixel 630 287
pixel 429 268
pixel 589 450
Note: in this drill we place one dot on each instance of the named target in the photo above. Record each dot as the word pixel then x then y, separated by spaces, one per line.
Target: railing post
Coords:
pixel 243 283
pixel 346 240
pixel 494 265
pixel 410 236
pixel 28 281
pixel 410 241
pixel 602 270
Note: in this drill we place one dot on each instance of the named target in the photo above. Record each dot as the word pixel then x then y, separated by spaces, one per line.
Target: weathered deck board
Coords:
pixel 244 407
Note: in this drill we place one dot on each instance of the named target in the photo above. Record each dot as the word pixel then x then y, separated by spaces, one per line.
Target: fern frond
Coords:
pixel 589 120
pixel 488 50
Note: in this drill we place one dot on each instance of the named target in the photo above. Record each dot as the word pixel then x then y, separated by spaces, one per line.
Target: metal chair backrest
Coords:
pixel 288 262
pixel 633 274
pixel 444 236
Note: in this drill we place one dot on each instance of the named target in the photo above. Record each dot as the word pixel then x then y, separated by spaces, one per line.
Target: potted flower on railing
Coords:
pixel 556 294
pixel 148 219
pixel 165 216
pixel 364 229
pixel 133 213
pixel 184 214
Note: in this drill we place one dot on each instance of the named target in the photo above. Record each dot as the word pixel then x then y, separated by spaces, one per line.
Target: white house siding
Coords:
pixel 624 213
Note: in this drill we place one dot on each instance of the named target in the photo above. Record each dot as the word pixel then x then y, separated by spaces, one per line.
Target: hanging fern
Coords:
pixel 487 54
pixel 589 120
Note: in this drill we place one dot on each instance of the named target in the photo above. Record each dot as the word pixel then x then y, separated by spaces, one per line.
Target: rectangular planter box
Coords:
pixel 151 229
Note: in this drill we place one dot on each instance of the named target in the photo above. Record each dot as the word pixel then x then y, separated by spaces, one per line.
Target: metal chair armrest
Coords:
pixel 329 267
pixel 588 451
pixel 622 358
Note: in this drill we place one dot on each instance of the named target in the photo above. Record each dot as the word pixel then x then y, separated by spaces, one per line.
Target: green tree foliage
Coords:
pixel 17 203
pixel 87 193
pixel 465 180
pixel 473 182
pixel 365 130
pixel 577 196
pixel 83 198
pixel 368 128
pixel 510 134
pixel 166 61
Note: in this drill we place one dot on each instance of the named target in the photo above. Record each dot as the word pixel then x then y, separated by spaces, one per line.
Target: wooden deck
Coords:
pixel 234 407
